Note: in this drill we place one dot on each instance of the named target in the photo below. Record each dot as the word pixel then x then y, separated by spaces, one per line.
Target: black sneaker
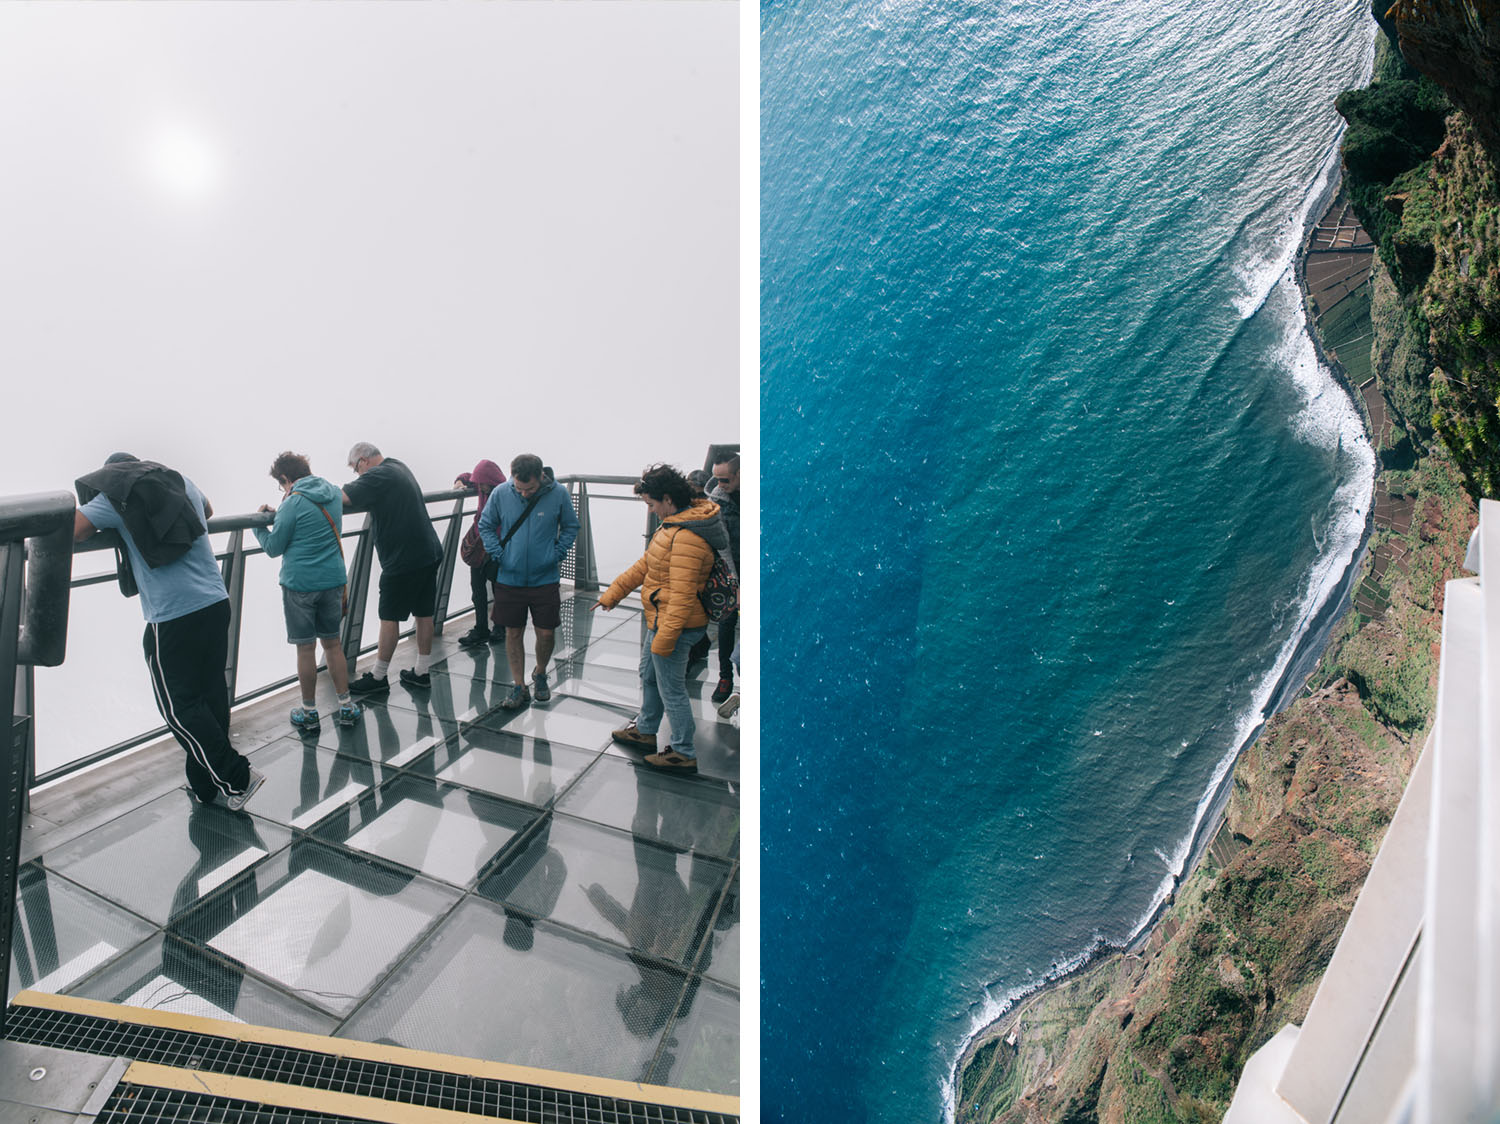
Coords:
pixel 474 638
pixel 367 684
pixel 410 678
pixel 722 691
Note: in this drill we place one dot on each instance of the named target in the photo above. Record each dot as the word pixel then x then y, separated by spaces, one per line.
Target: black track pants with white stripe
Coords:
pixel 186 658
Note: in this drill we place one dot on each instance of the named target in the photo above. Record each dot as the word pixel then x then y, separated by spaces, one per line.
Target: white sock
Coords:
pixel 382 669
pixel 423 663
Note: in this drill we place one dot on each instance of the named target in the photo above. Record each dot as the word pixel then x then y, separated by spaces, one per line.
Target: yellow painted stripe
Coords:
pixel 390 1055
pixel 255 1091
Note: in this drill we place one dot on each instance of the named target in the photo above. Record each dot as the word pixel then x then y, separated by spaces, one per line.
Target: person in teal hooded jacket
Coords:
pixel 305 535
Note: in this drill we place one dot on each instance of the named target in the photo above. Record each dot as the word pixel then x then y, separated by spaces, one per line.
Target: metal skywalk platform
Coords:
pixel 445 876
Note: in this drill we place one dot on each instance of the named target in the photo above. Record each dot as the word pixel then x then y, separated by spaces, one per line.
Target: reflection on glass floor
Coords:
pixel 446 876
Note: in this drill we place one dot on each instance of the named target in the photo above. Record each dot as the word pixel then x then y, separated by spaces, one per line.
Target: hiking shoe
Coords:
pixel 367 684
pixel 410 678
pixel 519 696
pixel 257 778
pixel 629 735
pixel 348 714
pixel 671 760
pixel 305 718
pixel 539 689
pixel 474 638
pixel 722 691
pixel 729 706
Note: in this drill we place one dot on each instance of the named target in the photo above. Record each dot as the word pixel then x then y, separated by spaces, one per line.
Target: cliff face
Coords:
pixel 1456 43
pixel 1422 176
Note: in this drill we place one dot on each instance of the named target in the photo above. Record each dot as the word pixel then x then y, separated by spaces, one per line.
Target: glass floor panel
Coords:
pixel 623 689
pixel 531 770
pixel 703 1049
pixel 292 922
pixel 304 784
pixel 392 734
pixel 62 932
pixel 530 993
pixel 609 652
pixel 480 665
pixel 721 955
pixel 452 697
pixel 163 858
pixel 650 899
pixel 168 973
pixel 446 832
pixel 569 721
pixel 690 813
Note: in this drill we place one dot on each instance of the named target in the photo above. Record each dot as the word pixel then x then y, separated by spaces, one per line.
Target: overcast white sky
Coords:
pixel 454 229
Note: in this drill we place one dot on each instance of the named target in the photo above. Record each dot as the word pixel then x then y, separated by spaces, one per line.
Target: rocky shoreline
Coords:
pixel 1067 1051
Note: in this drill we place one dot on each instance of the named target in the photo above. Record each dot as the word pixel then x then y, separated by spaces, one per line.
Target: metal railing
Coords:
pixel 579 568
pixel 36 558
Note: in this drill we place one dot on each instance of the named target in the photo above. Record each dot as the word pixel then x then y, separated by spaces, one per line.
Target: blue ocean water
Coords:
pixel 1054 484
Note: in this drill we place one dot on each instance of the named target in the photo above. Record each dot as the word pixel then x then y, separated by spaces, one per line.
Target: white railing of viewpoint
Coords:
pixel 1405 1026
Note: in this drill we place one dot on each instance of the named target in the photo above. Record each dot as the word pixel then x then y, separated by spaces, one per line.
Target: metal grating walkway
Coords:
pixel 181 1057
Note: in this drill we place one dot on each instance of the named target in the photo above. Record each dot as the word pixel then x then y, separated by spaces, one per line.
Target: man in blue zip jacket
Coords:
pixel 539 519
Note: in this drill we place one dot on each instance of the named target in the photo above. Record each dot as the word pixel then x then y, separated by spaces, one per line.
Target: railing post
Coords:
pixel 585 566
pixel 234 582
pixel 451 538
pixel 359 590
pixel 13 767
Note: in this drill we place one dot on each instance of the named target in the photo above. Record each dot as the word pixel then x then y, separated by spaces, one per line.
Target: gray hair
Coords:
pixel 362 450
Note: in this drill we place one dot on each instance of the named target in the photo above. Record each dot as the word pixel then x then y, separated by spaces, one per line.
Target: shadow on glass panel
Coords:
pixel 685 813
pixel 62 932
pixel 227 844
pixel 167 973
pixel 544 870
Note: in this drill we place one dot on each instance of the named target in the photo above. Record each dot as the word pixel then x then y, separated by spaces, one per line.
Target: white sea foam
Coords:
pixel 1260 270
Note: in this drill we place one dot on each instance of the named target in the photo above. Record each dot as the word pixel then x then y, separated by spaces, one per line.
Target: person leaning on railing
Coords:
pixel 670 575
pixel 409 553
pixel 306 536
pixel 486 477
pixel 161 518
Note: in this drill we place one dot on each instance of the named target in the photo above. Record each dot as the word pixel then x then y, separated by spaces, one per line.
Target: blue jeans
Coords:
pixel 664 691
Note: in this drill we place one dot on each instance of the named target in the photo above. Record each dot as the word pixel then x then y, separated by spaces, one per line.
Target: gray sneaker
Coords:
pixel 539 689
pixel 235 803
pixel 519 696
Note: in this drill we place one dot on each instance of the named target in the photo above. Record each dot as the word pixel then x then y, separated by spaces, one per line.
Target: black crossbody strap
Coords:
pixel 516 526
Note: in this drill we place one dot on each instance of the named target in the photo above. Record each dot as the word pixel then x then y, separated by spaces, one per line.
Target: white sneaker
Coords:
pixel 729 705
pixel 257 778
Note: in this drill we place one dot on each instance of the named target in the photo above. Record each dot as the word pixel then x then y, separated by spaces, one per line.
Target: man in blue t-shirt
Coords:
pixel 161 519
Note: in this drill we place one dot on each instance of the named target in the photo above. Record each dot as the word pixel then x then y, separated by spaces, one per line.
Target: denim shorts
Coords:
pixel 313 615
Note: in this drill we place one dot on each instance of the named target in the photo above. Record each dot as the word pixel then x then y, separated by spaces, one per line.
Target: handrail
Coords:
pixel 36 541
pixel 580 567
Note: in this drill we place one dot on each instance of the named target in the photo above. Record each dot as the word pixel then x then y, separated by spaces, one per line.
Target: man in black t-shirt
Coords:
pixel 409 554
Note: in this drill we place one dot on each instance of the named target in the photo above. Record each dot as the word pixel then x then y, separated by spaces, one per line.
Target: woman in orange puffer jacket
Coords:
pixel 670 575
